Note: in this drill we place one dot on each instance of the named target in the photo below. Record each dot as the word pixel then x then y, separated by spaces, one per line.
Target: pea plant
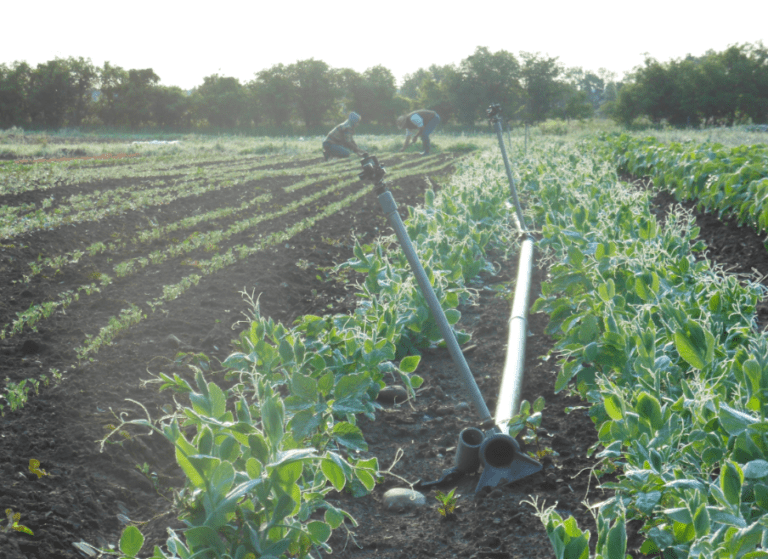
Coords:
pixel 662 345
pixel 261 455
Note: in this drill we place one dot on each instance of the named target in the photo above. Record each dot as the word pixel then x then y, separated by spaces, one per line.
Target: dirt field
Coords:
pixel 88 495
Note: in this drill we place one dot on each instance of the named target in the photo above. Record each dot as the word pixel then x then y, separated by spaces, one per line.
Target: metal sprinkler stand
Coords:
pixel 492 446
pixel 372 170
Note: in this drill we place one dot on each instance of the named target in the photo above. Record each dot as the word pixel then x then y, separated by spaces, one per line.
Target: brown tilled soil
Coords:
pixel 89 495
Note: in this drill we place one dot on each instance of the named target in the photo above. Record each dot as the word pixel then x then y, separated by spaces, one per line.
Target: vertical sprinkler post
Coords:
pixel 494 116
pixel 375 172
pixel 526 138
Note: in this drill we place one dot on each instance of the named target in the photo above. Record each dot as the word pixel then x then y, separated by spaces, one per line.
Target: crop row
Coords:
pixel 256 475
pixel 663 347
pixel 216 240
pixel 732 181
pixel 219 261
pixel 98 205
pixel 18 178
pixel 156 232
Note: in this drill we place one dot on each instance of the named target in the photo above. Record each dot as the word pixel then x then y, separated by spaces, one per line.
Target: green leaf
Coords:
pixel 701 521
pixel 577 548
pixel 272 416
pixel 410 363
pixel 648 407
pixel 761 495
pixel 680 514
pixel 319 531
pixel 452 316
pixel 731 478
pixel 352 386
pixel 613 407
pixel 218 401
pixel 349 435
pixel 616 542
pixel 183 451
pixel 649 548
pixel 259 447
pixel 333 517
pixel 691 344
pixel 589 330
pixel 204 537
pixel 607 290
pixel 285 506
pixel 756 469
pixel 334 473
pixel 735 421
pixel 286 351
pixel 304 387
pixel 366 479
pixel 305 423
pixel 131 541
pixel 647 501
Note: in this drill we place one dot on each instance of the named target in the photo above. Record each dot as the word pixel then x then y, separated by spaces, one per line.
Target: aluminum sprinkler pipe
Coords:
pixel 508 403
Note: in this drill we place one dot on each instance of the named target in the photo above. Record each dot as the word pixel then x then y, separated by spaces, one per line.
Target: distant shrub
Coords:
pixel 264 148
pixel 642 123
pixel 555 127
pixel 463 147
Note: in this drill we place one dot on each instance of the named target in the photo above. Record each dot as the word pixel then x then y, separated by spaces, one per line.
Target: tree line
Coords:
pixel 720 88
pixel 72 92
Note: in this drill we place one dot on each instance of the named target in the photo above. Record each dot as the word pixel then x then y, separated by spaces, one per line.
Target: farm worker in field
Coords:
pixel 340 141
pixel 418 123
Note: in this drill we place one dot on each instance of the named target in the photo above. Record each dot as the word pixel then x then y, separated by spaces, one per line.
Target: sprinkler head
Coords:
pixel 372 170
pixel 493 112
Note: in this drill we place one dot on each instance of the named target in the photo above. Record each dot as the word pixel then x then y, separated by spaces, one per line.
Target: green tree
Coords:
pixel 484 78
pixel 608 101
pixel 135 95
pixel 83 76
pixel 222 101
pixel 374 96
pixel 430 89
pixel 275 90
pixel 111 79
pixel 629 103
pixel 747 68
pixel 539 76
pixel 171 106
pixel 412 83
pixel 314 93
pixel 717 101
pixel 346 83
pixel 15 83
pixel 434 95
pixel 52 93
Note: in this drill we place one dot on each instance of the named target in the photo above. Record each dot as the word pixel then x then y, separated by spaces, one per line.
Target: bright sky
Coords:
pixel 185 41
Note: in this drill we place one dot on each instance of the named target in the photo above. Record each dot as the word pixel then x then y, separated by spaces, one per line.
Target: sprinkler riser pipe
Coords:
pixel 518 210
pixel 389 207
pixel 467 458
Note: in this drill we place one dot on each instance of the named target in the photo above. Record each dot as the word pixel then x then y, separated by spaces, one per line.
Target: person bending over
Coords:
pixel 419 123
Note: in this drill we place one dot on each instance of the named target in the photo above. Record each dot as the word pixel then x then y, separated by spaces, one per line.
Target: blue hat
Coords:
pixel 354 118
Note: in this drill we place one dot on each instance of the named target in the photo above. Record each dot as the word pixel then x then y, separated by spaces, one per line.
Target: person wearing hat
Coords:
pixel 340 141
pixel 419 123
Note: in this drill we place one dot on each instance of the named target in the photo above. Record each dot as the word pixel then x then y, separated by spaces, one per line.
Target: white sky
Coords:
pixel 185 41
